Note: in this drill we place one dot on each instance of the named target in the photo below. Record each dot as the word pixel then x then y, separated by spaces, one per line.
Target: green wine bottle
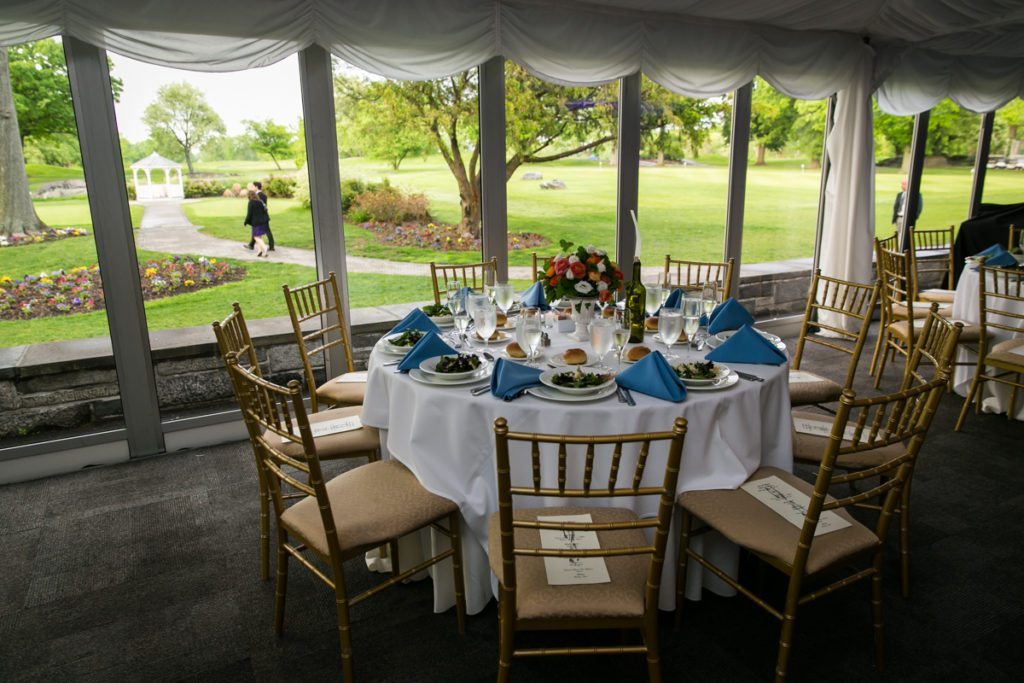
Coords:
pixel 636 295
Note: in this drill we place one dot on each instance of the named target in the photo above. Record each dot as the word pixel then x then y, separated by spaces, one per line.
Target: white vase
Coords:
pixel 582 313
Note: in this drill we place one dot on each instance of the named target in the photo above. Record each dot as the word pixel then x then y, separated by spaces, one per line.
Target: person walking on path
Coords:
pixel 262 196
pixel 256 217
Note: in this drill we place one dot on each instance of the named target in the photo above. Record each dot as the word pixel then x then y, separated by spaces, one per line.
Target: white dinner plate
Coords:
pixel 504 353
pixel 547 379
pixel 557 361
pixel 549 394
pixel 423 378
pixel 429 366
pixel 388 347
pixel 630 362
pixel 723 371
pixel 500 339
pixel 443 321
pixel 729 382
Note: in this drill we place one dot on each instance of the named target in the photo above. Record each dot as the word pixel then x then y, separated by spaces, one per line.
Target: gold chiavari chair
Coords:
pixel 233 338
pixel 812 563
pixel 891 243
pixel 936 343
pixel 1001 307
pixel 851 305
pixel 937 245
pixel 896 329
pixel 690 275
pixel 517 556
pixel 1015 240
pixel 320 301
pixel 472 275
pixel 538 265
pixel 341 519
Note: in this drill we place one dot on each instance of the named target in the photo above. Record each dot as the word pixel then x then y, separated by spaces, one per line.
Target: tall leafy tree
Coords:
pixel 772 115
pixel 270 138
pixel 1011 115
pixel 673 125
pixel 181 116
pixel 16 211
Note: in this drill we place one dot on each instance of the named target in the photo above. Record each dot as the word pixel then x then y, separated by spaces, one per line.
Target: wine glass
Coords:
pixel 670 326
pixel 504 295
pixel 454 300
pixel 489 286
pixel 653 301
pixel 460 319
pixel 601 336
pixel 620 334
pixel 708 300
pixel 691 310
pixel 528 331
pixel 485 318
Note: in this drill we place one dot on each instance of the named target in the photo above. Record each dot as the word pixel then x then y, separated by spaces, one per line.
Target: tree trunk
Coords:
pixel 1014 142
pixel 760 156
pixel 278 163
pixel 905 164
pixel 469 203
pixel 17 214
pixel 188 160
pixel 661 157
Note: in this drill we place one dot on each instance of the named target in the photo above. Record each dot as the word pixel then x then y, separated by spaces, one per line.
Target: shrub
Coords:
pixel 204 188
pixel 302 187
pixel 131 192
pixel 280 186
pixel 389 204
pixel 350 189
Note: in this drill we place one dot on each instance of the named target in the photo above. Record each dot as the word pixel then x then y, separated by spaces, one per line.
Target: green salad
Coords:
pixel 464 362
pixel 579 379
pixel 706 370
pixel 407 338
pixel 436 310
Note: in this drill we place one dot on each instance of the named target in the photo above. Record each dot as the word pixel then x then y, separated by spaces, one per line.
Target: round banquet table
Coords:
pixel 995 396
pixel 445 436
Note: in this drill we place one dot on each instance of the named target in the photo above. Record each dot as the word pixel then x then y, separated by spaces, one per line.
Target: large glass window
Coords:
pixel 684 171
pixel 1004 179
pixel 948 166
pixel 50 283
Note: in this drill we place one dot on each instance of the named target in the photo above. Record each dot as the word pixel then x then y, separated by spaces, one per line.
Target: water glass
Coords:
pixel 653 301
pixel 504 295
pixel 475 301
pixel 454 300
pixel 460 318
pixel 528 332
pixel 670 326
pixel 602 332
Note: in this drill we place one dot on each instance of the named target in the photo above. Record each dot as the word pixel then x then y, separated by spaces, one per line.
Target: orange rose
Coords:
pixel 550 271
pixel 594 276
pixel 554 281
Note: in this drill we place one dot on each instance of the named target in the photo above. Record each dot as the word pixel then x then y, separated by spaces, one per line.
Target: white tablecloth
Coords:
pixel 445 436
pixel 995 396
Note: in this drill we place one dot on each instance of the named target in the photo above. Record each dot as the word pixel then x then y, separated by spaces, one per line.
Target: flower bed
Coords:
pixel 48 235
pixel 79 290
pixel 441 237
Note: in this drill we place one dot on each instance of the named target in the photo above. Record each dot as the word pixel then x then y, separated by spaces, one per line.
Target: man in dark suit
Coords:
pixel 900 205
pixel 263 198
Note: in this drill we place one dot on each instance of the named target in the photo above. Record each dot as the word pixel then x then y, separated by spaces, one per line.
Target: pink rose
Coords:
pixel 561 265
pixel 578 270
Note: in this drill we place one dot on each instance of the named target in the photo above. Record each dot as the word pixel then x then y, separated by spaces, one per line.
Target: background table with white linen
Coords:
pixel 445 436
pixel 995 396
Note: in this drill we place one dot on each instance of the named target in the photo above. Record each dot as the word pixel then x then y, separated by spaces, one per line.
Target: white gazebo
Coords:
pixel 150 191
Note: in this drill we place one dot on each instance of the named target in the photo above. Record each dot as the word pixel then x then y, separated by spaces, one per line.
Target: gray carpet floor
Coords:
pixel 148 571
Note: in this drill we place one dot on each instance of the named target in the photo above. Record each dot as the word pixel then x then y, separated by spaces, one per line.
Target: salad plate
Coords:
pixel 452 368
pixel 418 375
pixel 549 394
pixel 578 382
pixel 729 381
pixel 400 349
pixel 707 373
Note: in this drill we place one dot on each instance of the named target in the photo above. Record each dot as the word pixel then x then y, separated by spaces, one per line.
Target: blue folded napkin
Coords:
pixel 652 375
pixel 747 346
pixel 1001 260
pixel 430 346
pixel 534 297
pixel 509 380
pixel 990 251
pixel 416 320
pixel 729 315
pixel 673 300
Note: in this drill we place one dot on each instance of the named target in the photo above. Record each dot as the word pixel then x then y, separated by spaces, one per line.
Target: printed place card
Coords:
pixel 797 376
pixel 819 428
pixel 568 571
pixel 791 504
pixel 336 426
pixel 354 377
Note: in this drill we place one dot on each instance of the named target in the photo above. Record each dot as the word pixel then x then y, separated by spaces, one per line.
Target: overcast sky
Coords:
pixel 268 93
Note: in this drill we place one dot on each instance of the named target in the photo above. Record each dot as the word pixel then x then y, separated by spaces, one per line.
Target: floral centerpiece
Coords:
pixel 586 273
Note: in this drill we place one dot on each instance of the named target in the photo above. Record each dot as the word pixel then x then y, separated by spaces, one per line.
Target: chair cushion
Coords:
pixel 355 443
pixel 370 504
pixel 810 448
pixel 812 391
pixel 747 522
pixel 1002 353
pixel 535 599
pixel 942 296
pixel 335 393
pixel 921 309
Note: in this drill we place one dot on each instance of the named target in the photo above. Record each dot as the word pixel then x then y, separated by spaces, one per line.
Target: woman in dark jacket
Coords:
pixel 259 219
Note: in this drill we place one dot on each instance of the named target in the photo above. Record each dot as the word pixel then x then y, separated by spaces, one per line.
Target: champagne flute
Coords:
pixel 460 319
pixel 708 300
pixel 620 334
pixel 601 337
pixel 485 319
pixel 691 310
pixel 670 325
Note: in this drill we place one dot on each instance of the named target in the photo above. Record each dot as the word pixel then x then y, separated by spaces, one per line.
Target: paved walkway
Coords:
pixel 166 228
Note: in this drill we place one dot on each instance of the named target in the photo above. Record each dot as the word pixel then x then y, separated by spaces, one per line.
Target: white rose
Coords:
pixel 602 286
pixel 591 249
pixel 600 252
pixel 600 267
pixel 574 259
pixel 568 275
pixel 584 287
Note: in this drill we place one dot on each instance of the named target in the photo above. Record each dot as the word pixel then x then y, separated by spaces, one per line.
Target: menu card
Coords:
pixel 787 501
pixel 354 377
pixel 819 428
pixel 567 571
pixel 335 426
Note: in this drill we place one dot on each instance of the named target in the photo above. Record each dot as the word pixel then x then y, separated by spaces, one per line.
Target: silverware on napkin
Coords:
pixel 628 395
pixel 747 376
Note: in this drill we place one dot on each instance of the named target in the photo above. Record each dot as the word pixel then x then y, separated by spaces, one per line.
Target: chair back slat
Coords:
pixel 232 335
pixel 472 275
pixel 937 245
pixel 853 303
pixel 321 300
pixel 936 343
pixel 588 468
pixel 691 275
pixel 1001 299
pixel 540 265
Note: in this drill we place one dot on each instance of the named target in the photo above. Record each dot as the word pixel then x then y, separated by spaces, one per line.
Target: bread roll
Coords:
pixel 501 319
pixel 608 312
pixel 494 335
pixel 575 356
pixel 515 351
pixel 651 323
pixel 637 352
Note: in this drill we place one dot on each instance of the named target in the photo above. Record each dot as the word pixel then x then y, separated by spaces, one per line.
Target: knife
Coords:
pixel 747 376
pixel 629 396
